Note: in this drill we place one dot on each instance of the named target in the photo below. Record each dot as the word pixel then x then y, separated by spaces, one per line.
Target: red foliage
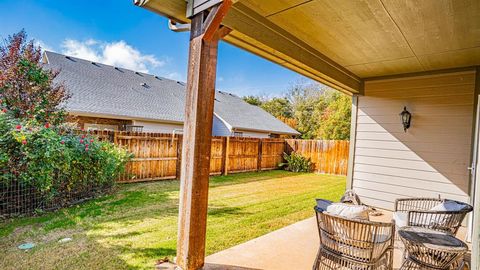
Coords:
pixel 26 89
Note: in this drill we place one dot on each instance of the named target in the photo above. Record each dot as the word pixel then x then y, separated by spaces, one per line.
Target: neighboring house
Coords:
pixel 111 98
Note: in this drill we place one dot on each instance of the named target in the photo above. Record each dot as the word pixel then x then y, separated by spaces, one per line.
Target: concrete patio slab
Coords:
pixel 292 247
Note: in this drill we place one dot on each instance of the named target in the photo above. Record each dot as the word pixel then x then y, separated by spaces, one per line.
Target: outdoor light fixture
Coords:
pixel 406 117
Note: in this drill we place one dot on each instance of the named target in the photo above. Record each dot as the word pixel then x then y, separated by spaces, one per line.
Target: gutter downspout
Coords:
pixel 174 133
pixel 178 27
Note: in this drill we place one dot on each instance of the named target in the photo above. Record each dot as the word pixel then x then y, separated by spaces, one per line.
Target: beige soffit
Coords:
pixel 341 42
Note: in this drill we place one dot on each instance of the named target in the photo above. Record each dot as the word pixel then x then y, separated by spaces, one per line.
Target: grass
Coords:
pixel 137 225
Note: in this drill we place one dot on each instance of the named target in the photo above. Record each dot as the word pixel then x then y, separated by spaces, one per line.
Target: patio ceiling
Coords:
pixel 340 43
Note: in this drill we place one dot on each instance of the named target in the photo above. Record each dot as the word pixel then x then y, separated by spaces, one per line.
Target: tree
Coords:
pixel 307 103
pixel 26 89
pixel 253 100
pixel 278 107
pixel 335 119
pixel 289 121
pixel 316 111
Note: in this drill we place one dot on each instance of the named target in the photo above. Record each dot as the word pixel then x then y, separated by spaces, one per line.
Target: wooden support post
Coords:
pixel 259 158
pixel 197 136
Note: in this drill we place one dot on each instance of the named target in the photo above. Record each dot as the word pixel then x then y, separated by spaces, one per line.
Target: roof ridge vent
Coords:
pixel 95 64
pixel 156 77
pixel 138 73
pixel 182 84
pixel 70 58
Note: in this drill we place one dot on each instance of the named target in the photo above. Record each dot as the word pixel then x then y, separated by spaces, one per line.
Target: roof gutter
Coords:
pixel 122 117
pixel 240 129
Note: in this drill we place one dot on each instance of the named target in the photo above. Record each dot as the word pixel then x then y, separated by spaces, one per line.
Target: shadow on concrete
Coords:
pixel 214 266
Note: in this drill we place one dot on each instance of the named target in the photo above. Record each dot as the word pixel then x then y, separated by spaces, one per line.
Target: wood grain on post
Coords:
pixel 197 138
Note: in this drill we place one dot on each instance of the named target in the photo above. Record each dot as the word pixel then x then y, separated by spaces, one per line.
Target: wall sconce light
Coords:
pixel 406 117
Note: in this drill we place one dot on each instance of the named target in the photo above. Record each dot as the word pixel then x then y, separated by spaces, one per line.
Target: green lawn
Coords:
pixel 137 225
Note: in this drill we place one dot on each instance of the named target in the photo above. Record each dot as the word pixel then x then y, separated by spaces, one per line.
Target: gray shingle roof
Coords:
pixel 105 90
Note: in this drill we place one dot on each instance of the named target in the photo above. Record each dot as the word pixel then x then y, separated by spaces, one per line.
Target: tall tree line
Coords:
pixel 316 111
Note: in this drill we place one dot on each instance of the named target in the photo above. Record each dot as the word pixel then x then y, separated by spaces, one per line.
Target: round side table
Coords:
pixel 430 249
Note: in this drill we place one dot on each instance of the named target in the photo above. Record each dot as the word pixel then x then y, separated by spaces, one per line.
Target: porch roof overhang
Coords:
pixel 341 43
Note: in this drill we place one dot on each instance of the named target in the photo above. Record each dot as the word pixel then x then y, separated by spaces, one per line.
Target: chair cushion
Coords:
pixel 349 211
pixel 400 219
pixel 448 205
pixel 323 204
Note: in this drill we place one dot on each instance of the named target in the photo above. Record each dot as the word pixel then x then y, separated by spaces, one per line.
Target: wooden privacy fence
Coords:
pixel 157 155
pixel 327 156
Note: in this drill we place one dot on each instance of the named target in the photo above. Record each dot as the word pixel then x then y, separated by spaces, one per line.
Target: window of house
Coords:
pixel 134 128
pixel 90 126
pixel 237 134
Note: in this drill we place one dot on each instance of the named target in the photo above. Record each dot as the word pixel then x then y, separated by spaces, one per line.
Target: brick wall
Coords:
pixel 82 120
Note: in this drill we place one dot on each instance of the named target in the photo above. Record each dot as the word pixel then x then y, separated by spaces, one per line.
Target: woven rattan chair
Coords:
pixel 353 244
pixel 418 214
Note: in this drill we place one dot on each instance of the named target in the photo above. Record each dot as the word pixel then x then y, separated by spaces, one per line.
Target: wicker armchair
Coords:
pixel 417 213
pixel 353 244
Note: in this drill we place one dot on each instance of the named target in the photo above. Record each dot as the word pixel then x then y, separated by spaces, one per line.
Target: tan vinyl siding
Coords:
pixel 159 127
pixel 432 157
pixel 253 134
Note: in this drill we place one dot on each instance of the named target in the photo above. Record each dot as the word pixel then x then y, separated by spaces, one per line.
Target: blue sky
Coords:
pixel 117 32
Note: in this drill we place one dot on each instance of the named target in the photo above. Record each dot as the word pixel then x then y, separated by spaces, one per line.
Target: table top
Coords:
pixel 431 239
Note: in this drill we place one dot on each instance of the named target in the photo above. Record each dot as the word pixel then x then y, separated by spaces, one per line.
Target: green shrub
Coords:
pixel 43 164
pixel 53 164
pixel 296 163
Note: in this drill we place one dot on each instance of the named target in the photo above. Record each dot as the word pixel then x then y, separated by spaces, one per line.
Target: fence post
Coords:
pixel 259 158
pixel 225 149
pixel 179 157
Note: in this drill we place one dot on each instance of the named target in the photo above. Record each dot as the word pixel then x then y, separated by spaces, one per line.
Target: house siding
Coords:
pixel 219 128
pixel 428 160
pixel 253 134
pixel 159 127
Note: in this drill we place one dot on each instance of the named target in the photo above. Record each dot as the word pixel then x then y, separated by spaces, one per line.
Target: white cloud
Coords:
pixel 117 53
pixel 80 49
pixel 175 76
pixel 43 45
